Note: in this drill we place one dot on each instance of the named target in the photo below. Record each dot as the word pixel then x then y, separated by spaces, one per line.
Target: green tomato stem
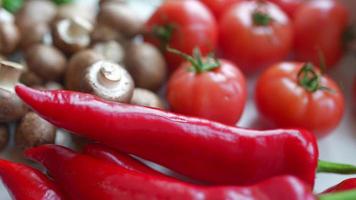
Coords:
pixel 261 18
pixel 198 64
pixel 164 34
pixel 309 79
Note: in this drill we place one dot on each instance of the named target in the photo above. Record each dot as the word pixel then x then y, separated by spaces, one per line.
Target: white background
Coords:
pixel 339 146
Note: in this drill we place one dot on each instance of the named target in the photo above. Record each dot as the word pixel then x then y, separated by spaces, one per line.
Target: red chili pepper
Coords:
pixel 27 183
pixel 198 148
pixel 121 159
pixel 84 177
pixel 349 184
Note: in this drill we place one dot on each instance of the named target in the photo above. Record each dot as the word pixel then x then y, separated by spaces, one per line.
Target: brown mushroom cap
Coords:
pixel 109 81
pixel 35 12
pixel 11 107
pixel 46 61
pixel 103 33
pixel 71 10
pixel 121 18
pixel 9 37
pixel 31 35
pixel 34 131
pixel 101 2
pixel 72 35
pixel 4 136
pixel 143 97
pixel 31 79
pixel 146 65
pixel 77 66
pixel 111 51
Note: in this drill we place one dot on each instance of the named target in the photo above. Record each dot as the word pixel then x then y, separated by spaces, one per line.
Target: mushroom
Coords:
pixel 30 79
pixel 146 65
pixel 34 131
pixel 109 81
pixel 111 51
pixel 9 37
pixel 143 97
pixel 6 16
pixel 71 10
pixel 39 34
pixel 101 2
pixel 72 35
pixel 11 107
pixel 9 33
pixel 121 18
pixel 35 12
pixel 77 66
pixel 46 61
pixel 103 33
pixel 4 136
pixel 53 86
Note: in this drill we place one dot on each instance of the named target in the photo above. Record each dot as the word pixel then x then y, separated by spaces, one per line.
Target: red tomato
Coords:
pixel 218 94
pixel 289 6
pixel 182 25
pixel 319 27
pixel 218 7
pixel 284 100
pixel 254 34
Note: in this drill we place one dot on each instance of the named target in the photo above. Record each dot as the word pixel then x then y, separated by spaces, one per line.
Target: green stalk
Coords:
pixel 199 65
pixel 337 168
pixel 347 195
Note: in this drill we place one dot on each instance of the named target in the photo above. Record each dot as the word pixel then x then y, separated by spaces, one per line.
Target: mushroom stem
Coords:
pixel 10 73
pixel 79 26
pixel 110 72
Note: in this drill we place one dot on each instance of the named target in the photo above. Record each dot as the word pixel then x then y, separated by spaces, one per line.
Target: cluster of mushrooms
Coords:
pixel 76 47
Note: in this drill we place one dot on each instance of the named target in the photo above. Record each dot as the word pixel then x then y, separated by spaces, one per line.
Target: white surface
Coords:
pixel 339 146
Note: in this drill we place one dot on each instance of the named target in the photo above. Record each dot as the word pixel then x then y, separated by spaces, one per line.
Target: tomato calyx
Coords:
pixel 199 65
pixel 309 78
pixel 164 34
pixel 261 18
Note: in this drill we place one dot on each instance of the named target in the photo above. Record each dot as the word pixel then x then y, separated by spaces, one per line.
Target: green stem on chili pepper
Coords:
pixel 348 195
pixel 309 79
pixel 198 64
pixel 331 167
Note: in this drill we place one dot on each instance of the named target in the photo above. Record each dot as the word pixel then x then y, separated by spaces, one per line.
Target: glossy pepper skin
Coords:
pixel 27 183
pixel 348 184
pixel 121 159
pixel 203 150
pixel 84 177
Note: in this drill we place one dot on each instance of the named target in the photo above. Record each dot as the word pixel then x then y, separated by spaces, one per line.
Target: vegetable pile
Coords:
pixel 101 74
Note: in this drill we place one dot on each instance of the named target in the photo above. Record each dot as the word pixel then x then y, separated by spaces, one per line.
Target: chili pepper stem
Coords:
pixel 348 195
pixel 331 167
